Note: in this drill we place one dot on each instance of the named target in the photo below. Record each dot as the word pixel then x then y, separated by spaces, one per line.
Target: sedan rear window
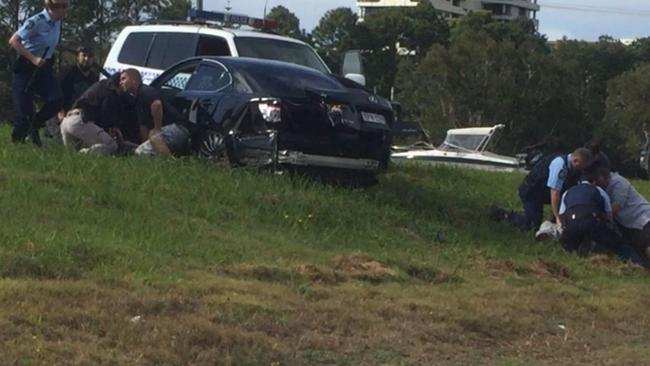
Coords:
pixel 209 77
pixel 272 49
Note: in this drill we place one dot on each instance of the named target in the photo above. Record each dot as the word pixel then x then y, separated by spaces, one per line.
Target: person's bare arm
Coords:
pixel 157 115
pixel 555 205
pixel 616 208
pixel 16 43
pixel 159 146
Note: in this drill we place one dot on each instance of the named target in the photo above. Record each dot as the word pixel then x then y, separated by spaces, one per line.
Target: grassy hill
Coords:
pixel 126 261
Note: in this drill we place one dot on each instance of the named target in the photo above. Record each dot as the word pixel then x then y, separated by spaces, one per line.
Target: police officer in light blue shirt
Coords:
pixel 544 184
pixel 587 218
pixel 35 42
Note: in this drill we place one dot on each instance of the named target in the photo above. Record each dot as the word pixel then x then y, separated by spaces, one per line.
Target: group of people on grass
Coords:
pixel 597 210
pixel 89 114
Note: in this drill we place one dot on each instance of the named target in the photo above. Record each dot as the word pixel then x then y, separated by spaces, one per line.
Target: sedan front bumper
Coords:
pixel 299 158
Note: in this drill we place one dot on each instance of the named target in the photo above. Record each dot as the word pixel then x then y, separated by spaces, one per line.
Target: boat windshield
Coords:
pixel 463 142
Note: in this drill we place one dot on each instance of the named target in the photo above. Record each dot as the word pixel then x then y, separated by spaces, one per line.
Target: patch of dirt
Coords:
pixel 604 260
pixel 498 267
pixel 431 275
pixel 260 272
pixel 549 270
pixel 315 274
pixel 361 266
pixel 615 265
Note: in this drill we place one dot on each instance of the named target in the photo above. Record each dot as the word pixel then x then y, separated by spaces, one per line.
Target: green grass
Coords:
pixel 232 266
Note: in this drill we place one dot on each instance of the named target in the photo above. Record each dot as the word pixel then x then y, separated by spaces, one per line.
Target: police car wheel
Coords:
pixel 212 146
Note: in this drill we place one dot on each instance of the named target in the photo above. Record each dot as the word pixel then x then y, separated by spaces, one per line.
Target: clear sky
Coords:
pixel 576 19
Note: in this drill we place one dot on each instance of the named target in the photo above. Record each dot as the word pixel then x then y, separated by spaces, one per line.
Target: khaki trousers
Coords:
pixel 87 135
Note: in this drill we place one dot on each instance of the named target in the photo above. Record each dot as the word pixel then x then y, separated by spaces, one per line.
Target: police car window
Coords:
pixel 178 80
pixel 134 50
pixel 170 47
pixel 209 77
pixel 272 49
pixel 212 46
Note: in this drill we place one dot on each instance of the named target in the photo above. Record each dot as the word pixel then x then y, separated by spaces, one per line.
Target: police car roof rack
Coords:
pixel 170 22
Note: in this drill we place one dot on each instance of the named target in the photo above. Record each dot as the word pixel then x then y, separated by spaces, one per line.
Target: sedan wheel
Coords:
pixel 212 146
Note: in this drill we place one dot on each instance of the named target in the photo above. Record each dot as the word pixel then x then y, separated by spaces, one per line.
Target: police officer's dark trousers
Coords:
pixel 27 82
pixel 580 230
pixel 533 203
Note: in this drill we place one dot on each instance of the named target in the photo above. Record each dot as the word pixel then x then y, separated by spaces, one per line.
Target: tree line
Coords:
pixel 468 71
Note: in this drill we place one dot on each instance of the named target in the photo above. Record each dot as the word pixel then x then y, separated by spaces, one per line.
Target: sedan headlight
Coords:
pixel 341 114
pixel 270 109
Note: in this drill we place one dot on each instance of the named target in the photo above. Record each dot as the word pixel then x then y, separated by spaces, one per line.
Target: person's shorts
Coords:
pixel 176 138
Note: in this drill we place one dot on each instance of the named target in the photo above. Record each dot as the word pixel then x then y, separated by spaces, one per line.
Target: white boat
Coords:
pixel 465 147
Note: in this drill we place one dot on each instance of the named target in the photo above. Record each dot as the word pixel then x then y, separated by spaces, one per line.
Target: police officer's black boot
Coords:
pixel 497 213
pixel 36 137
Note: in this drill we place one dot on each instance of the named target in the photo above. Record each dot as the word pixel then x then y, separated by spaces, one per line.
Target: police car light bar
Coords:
pixel 229 18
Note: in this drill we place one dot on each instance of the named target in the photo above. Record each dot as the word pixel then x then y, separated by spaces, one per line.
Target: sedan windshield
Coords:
pixel 273 49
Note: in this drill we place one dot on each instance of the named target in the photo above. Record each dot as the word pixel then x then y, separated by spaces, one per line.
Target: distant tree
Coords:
pixel 640 50
pixel 491 73
pixel 387 33
pixel 336 33
pixel 586 69
pixel 627 115
pixel 175 10
pixel 288 22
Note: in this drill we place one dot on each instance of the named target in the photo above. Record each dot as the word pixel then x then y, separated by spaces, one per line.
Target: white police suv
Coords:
pixel 153 47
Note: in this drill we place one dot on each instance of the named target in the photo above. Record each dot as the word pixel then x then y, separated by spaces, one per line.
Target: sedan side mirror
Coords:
pixel 357 78
pixel 352 67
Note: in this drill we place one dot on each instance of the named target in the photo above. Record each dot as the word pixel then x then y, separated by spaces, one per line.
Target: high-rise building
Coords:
pixel 504 10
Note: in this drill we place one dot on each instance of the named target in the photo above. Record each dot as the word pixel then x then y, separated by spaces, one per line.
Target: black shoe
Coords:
pixel 497 214
pixel 585 248
pixel 36 138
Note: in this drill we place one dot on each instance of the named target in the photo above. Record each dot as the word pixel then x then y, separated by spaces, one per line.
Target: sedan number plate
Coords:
pixel 373 118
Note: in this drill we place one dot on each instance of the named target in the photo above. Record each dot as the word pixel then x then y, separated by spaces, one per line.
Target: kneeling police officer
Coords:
pixel 544 184
pixel 587 219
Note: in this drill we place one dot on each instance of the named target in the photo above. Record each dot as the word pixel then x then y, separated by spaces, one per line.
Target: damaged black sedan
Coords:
pixel 274 114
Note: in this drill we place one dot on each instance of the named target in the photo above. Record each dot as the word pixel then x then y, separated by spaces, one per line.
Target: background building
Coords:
pixel 504 10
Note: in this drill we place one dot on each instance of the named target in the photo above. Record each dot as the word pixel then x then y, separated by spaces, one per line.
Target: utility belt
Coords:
pixel 23 65
pixel 580 213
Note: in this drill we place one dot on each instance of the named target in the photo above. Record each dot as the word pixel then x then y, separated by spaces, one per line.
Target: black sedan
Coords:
pixel 275 114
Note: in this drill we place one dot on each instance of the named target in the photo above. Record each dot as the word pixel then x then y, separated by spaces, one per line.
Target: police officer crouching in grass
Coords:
pixel 35 42
pixel 88 125
pixel 587 219
pixel 544 184
pixel 74 80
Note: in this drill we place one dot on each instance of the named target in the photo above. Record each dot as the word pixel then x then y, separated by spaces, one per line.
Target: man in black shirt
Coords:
pixel 93 116
pixel 75 79
pixel 148 103
pixel 152 115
